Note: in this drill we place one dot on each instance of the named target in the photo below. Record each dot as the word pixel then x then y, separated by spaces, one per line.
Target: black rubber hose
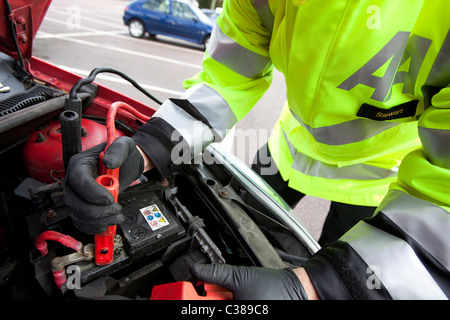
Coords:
pixel 96 71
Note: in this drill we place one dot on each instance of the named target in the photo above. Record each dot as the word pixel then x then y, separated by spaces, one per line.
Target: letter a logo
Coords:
pixel 74 281
pixel 399 51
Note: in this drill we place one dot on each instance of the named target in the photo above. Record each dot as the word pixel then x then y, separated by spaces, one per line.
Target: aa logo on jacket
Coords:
pixel 405 55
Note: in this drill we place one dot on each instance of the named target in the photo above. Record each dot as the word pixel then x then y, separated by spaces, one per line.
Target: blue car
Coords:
pixel 174 18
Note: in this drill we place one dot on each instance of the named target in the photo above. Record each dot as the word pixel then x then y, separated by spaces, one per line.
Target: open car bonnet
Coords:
pixel 19 23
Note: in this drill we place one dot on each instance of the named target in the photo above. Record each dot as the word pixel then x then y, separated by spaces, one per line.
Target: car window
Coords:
pixel 181 10
pixel 162 6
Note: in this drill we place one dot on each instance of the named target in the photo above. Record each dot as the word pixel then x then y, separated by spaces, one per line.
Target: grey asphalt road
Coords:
pixel 80 36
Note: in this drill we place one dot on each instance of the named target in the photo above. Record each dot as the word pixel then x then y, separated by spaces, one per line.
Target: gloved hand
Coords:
pixel 252 283
pixel 93 206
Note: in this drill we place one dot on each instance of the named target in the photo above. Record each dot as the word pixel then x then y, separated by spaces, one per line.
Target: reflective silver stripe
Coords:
pixel 426 223
pixel 315 168
pixel 435 142
pixel 438 77
pixel 213 107
pixel 266 16
pixel 196 134
pixel 235 57
pixel 400 270
pixel 347 132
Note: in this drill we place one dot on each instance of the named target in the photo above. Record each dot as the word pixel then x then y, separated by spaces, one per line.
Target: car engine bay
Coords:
pixel 207 212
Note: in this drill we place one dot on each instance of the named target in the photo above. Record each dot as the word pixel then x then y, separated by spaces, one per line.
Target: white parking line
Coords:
pixel 85 73
pixel 68 37
pixel 95 20
pixel 83 27
pixel 45 35
pixel 130 52
pixel 103 17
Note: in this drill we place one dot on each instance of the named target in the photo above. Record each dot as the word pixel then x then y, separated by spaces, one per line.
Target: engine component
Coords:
pixel 26 99
pixel 42 152
pixel 4 89
pixel 195 228
pixel 84 253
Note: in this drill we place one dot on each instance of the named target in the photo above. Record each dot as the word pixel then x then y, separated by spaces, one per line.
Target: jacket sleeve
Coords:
pixel 237 71
pixel 403 251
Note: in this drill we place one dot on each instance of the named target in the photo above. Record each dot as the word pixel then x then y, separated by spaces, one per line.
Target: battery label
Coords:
pixel 154 217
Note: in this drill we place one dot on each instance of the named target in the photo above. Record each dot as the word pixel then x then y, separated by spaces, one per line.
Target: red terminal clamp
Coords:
pixel 104 242
pixel 109 178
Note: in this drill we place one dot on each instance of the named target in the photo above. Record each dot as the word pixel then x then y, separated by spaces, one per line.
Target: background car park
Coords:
pixel 211 14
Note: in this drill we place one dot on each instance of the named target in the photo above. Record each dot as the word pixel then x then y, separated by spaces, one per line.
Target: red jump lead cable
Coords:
pixel 109 178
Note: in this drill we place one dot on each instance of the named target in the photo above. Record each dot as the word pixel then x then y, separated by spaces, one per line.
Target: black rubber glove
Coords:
pixel 252 283
pixel 93 206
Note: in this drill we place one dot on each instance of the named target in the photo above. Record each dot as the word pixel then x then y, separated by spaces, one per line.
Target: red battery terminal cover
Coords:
pixel 184 290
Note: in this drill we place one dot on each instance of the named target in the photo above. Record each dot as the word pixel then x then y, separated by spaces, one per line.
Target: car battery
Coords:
pixel 149 225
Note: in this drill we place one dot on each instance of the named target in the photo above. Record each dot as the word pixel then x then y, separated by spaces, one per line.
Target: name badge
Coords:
pixel 403 110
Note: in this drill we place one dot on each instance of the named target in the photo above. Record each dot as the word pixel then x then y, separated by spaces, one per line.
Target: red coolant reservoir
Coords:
pixel 42 152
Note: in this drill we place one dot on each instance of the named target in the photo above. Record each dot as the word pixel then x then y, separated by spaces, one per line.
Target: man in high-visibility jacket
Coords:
pixel 358 76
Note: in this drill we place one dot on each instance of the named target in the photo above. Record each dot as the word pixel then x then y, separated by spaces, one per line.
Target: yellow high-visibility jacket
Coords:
pixel 350 73
pixel 368 107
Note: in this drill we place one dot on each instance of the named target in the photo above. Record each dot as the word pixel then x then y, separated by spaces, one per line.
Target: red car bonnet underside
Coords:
pixel 27 17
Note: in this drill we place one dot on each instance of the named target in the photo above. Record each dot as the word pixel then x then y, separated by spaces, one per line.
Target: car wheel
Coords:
pixel 136 28
pixel 206 41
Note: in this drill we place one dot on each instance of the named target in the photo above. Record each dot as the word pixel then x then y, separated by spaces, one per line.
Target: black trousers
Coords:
pixel 341 216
